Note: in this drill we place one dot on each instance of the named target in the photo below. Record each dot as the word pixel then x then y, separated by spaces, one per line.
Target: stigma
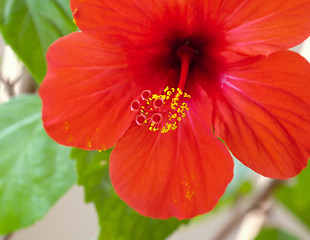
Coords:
pixel 161 112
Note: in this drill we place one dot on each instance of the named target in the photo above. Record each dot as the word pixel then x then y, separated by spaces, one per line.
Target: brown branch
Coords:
pixel 26 84
pixel 9 86
pixel 255 203
pixel 8 237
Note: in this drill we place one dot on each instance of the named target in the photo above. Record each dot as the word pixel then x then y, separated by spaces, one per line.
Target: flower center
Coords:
pixel 164 112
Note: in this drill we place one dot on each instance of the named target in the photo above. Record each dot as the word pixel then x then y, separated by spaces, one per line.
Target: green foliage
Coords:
pixel 30 26
pixel 274 234
pixel 296 197
pixel 34 171
pixel 245 188
pixel 116 219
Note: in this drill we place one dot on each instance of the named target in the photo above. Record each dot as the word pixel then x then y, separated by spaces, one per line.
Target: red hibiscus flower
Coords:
pixel 162 80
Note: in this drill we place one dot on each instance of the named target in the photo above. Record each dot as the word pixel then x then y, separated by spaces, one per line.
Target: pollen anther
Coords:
pixel 162 112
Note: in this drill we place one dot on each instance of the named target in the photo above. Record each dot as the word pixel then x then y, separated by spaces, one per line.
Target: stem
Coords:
pixel 262 196
pixel 8 237
pixel 9 86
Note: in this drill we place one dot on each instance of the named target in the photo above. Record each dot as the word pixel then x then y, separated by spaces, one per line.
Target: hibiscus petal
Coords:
pixel 252 27
pixel 127 15
pixel 264 26
pixel 86 93
pixel 262 112
pixel 121 14
pixel 142 22
pixel 181 173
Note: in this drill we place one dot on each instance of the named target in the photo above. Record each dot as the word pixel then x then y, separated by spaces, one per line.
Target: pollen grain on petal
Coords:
pixel 189 194
pixel 161 111
pixel 89 144
pixel 70 139
pixel 67 126
pixel 75 13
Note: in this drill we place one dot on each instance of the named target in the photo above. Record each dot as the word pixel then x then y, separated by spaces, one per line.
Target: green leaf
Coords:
pixel 34 171
pixel 116 219
pixel 274 234
pixel 296 197
pixel 30 26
